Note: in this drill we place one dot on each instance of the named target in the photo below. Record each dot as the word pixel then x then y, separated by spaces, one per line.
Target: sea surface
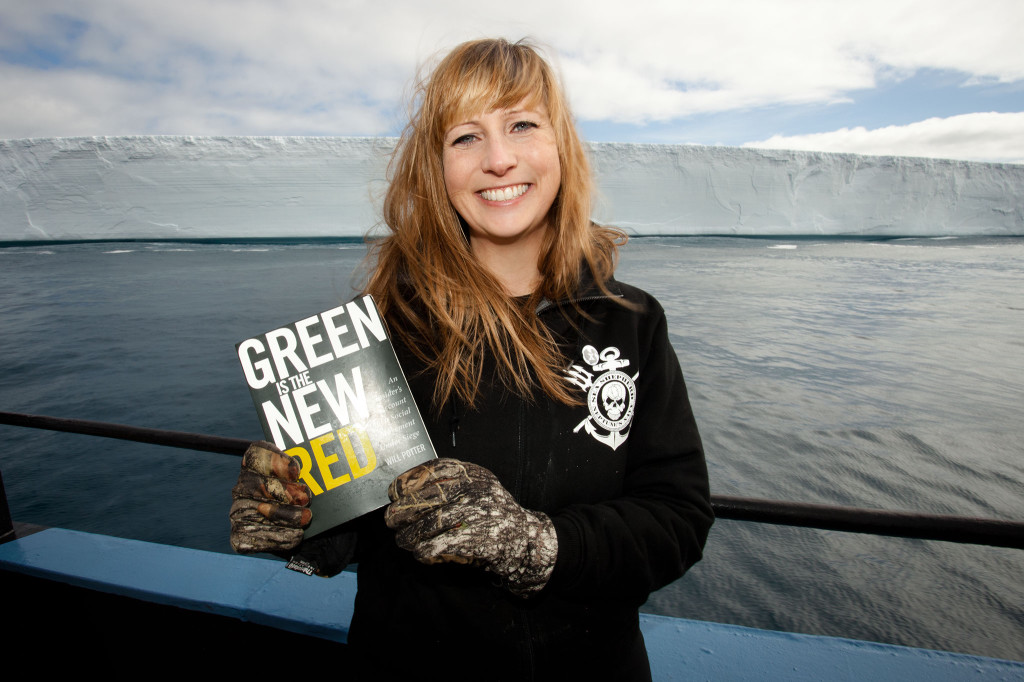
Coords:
pixel 886 374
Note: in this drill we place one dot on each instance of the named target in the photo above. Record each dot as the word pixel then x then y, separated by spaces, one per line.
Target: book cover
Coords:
pixel 330 392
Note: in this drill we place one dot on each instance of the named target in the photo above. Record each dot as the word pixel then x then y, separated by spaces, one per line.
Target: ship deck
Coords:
pixel 133 600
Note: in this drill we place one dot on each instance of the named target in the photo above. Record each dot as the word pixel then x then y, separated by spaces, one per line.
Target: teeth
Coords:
pixel 504 194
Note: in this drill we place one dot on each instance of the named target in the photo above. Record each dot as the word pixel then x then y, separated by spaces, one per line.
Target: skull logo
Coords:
pixel 613 396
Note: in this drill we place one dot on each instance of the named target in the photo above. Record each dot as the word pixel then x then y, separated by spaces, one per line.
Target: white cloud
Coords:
pixel 689 58
pixel 341 67
pixel 990 136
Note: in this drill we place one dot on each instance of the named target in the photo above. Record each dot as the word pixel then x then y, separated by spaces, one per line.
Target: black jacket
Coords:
pixel 623 479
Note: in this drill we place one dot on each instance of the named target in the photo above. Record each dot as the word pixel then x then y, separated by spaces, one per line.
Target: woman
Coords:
pixel 572 481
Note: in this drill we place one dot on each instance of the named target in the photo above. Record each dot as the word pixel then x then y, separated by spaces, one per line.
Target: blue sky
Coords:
pixel 937 78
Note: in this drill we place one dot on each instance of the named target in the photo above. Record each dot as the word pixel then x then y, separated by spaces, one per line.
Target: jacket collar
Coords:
pixel 586 290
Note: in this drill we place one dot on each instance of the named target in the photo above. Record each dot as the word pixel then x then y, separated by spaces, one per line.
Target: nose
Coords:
pixel 499 156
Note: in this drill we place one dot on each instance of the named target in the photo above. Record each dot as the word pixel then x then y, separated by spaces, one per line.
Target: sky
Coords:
pixel 942 78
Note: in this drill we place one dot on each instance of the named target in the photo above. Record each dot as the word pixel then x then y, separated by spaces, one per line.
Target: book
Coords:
pixel 330 392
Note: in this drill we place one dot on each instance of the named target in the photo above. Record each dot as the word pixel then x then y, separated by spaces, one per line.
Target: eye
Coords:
pixel 463 140
pixel 522 126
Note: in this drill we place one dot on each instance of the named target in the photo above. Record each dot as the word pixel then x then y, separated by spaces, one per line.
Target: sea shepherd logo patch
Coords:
pixel 611 396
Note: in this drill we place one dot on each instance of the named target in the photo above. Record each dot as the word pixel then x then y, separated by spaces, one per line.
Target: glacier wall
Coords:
pixel 685 189
pixel 301 187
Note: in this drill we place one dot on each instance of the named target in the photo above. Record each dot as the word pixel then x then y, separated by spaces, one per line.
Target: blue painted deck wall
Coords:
pixel 263 591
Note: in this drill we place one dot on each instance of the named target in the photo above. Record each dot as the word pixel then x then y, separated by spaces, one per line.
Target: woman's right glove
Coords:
pixel 271 506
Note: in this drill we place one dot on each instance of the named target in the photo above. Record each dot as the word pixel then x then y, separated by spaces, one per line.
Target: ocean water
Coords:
pixel 885 374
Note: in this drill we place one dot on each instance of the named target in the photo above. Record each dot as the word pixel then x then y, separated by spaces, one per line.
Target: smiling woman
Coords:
pixel 431 241
pixel 571 480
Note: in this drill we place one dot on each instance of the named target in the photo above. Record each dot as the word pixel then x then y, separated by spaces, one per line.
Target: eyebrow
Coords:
pixel 511 113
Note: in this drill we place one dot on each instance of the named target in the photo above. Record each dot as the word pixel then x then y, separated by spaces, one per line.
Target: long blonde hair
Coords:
pixel 443 304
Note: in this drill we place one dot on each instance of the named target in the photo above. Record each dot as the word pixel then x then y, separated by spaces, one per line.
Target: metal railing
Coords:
pixel 948 528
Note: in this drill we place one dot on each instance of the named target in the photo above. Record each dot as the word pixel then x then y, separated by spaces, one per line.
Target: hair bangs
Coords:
pixel 498 76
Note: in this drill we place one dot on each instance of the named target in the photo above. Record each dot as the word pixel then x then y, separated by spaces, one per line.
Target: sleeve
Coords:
pixel 656 530
pixel 330 552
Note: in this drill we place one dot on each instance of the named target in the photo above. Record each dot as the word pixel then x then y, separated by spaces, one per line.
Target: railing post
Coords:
pixel 6 523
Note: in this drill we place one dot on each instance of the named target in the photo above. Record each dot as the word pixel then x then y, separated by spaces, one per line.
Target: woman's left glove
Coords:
pixel 452 511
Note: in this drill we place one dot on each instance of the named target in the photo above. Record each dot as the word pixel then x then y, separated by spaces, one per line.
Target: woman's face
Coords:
pixel 502 174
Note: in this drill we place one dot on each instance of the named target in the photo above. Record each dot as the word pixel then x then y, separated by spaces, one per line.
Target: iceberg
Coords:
pixel 188 188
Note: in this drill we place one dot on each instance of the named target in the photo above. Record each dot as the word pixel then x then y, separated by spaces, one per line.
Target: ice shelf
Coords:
pixel 316 187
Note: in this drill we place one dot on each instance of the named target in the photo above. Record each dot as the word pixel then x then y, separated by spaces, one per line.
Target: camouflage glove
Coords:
pixel 452 511
pixel 271 507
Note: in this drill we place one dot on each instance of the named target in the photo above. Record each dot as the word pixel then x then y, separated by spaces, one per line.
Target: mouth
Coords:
pixel 504 193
